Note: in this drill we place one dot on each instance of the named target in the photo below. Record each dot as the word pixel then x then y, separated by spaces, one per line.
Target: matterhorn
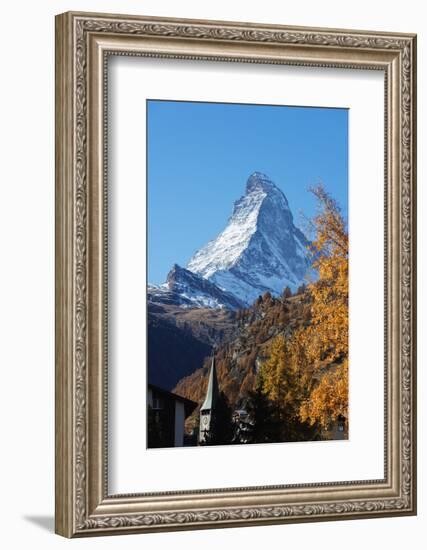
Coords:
pixel 260 250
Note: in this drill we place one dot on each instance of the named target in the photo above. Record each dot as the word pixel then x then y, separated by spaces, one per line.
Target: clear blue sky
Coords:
pixel 201 154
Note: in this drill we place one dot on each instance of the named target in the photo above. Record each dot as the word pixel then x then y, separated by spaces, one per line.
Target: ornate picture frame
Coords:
pixel 84 42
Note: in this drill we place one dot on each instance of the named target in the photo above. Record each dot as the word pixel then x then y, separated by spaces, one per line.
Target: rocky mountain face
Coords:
pixel 259 250
pixel 189 289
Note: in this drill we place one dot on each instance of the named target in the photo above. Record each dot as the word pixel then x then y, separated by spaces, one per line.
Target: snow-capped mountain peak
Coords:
pixel 223 252
pixel 260 249
pixel 259 182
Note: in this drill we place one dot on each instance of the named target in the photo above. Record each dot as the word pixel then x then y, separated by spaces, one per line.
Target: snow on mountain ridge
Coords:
pixel 188 289
pixel 260 249
pixel 234 239
pixel 258 181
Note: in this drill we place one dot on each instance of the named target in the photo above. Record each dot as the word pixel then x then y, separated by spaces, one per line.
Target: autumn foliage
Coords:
pixel 309 369
pixel 288 361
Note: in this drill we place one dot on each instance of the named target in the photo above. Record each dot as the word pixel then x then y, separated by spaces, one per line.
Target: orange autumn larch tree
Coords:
pixel 326 338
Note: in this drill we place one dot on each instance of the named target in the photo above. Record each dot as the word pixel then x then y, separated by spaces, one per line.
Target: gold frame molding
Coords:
pixel 83 43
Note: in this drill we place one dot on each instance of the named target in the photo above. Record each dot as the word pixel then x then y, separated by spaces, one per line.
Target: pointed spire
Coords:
pixel 213 390
pixel 259 181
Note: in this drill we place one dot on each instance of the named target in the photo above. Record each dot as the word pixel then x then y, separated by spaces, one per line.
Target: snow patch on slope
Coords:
pixel 260 249
pixel 224 251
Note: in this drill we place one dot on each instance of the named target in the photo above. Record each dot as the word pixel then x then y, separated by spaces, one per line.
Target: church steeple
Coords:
pixel 212 391
pixel 208 408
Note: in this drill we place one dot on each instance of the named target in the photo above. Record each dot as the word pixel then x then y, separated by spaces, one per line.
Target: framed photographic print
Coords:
pixel 235 274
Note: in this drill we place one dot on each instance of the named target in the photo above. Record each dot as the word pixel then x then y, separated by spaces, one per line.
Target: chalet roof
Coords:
pixel 189 405
pixel 212 391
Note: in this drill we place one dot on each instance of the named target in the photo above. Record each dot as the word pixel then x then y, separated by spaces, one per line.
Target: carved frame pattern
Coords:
pixel 82 510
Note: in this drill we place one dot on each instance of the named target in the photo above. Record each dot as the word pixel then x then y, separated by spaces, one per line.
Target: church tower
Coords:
pixel 207 410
